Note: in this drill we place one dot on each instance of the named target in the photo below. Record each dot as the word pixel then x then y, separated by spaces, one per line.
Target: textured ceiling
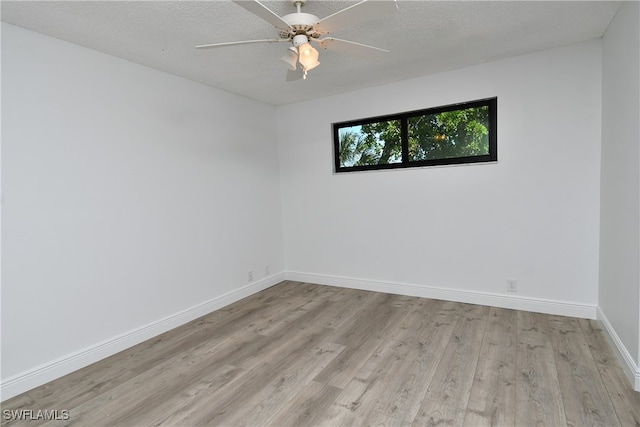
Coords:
pixel 424 37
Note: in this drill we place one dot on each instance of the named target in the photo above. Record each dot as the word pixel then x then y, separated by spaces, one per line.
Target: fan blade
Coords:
pixel 352 48
pixel 207 46
pixel 356 14
pixel 262 11
pixel 295 75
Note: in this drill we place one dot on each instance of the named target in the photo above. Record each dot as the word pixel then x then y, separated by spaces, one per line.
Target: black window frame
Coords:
pixel 492 156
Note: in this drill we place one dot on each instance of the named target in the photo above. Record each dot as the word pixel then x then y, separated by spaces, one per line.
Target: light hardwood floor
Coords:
pixel 299 354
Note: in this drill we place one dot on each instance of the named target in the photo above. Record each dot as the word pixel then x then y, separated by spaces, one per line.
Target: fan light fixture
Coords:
pixel 307 55
pixel 291 57
pixel 302 29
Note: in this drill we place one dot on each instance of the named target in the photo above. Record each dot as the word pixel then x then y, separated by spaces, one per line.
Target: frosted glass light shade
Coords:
pixel 308 56
pixel 291 58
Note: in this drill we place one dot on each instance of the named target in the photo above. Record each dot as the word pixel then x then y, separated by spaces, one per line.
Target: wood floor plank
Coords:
pixel 216 326
pixel 146 390
pixel 183 401
pixel 17 404
pixel 373 322
pixel 306 408
pixel 418 319
pixel 260 377
pixel 586 400
pixel 360 395
pixel 285 386
pixel 302 354
pixel 81 386
pixel 427 330
pixel 355 401
pixel 538 397
pixel 433 413
pixel 278 320
pixel 385 360
pixel 202 396
pixel 453 378
pixel 493 393
pixel 404 391
pixel 342 412
pixel 377 419
pixel 625 400
pixel 347 306
pixel 276 294
pixel 279 341
pixel 361 339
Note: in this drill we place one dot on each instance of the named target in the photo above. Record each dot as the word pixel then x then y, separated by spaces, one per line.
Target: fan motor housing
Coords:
pixel 302 23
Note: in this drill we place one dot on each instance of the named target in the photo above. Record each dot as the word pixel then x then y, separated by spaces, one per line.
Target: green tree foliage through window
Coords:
pixel 459 133
pixel 463 133
pixel 371 144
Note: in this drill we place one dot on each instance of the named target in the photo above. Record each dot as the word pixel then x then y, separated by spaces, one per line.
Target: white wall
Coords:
pixel 619 292
pixel 129 196
pixel 458 232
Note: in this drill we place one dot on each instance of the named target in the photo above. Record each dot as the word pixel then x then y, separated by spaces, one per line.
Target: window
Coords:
pixel 452 134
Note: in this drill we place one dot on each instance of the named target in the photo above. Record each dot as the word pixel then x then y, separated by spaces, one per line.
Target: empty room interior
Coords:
pixel 434 221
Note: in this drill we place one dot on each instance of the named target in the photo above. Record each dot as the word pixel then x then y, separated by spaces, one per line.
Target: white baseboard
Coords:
pixel 483 298
pixel 84 357
pixel 495 300
pixel 64 365
pixel 630 368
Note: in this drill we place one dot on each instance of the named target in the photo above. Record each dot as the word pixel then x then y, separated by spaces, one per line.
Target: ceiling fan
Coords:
pixel 300 29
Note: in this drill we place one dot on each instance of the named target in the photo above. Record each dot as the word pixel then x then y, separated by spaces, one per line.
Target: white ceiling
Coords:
pixel 424 37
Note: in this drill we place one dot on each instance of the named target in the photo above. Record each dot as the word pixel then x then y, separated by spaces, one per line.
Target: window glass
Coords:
pixel 377 143
pixel 451 134
pixel 458 133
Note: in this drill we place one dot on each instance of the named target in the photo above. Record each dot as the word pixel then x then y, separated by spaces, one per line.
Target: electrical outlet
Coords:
pixel 250 276
pixel 266 270
pixel 512 285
